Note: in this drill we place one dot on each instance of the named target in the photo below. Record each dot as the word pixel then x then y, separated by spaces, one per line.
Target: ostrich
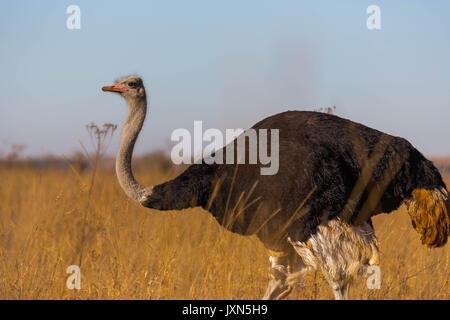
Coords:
pixel 315 213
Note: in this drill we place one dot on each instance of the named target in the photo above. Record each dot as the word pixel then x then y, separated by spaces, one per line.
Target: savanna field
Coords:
pixel 51 218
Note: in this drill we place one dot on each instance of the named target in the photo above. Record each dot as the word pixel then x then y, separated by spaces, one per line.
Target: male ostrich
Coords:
pixel 315 213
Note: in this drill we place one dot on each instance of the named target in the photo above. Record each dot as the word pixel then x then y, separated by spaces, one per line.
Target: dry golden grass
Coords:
pixel 128 252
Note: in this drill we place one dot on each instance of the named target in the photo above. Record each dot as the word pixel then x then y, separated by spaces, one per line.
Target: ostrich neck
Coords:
pixel 130 130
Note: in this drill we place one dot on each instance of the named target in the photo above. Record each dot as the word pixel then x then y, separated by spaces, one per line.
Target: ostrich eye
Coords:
pixel 132 84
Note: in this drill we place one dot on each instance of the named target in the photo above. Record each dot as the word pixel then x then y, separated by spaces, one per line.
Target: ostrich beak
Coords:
pixel 115 88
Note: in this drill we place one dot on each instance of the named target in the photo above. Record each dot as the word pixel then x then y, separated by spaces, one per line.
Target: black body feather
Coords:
pixel 349 170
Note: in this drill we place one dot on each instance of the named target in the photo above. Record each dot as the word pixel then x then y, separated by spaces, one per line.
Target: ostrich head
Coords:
pixel 131 88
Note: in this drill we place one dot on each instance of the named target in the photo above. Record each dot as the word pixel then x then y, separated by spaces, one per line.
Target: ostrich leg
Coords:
pixel 285 271
pixel 340 292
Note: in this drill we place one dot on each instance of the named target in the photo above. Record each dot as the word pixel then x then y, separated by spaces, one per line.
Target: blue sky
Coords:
pixel 227 63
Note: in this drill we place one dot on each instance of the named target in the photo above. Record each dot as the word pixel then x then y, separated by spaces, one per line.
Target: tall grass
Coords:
pixel 130 252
